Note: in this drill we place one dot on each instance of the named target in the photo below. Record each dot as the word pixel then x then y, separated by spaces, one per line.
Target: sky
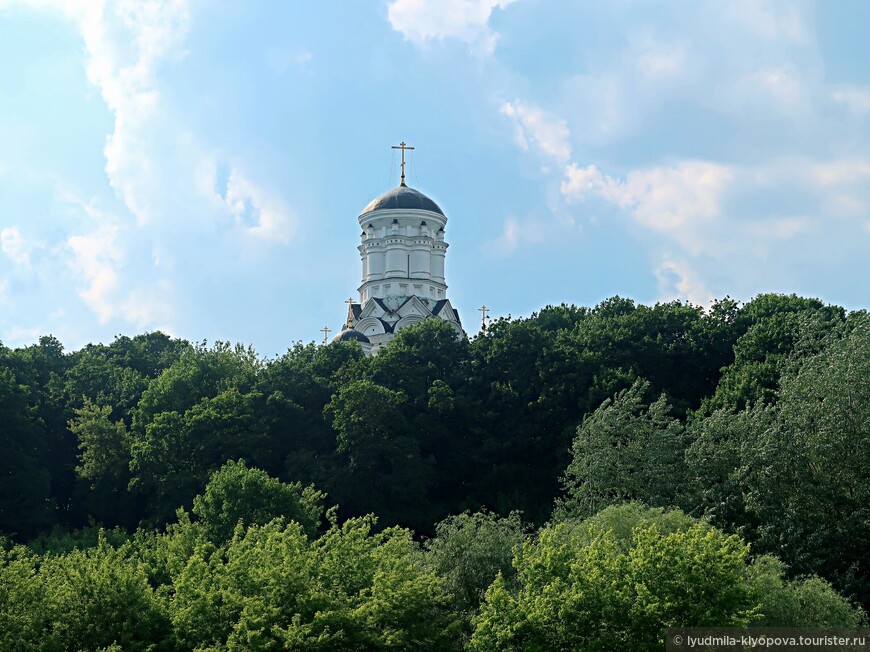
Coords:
pixel 197 166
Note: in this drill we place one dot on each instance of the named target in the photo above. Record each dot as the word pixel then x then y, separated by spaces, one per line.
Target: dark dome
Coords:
pixel 349 334
pixel 402 197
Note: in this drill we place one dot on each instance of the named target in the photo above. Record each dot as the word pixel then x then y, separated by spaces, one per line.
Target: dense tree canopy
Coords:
pixel 533 485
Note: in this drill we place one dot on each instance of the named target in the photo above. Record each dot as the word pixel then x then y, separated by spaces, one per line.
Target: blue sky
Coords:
pixel 197 166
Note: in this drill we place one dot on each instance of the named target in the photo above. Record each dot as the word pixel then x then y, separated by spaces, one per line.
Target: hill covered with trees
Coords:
pixel 555 480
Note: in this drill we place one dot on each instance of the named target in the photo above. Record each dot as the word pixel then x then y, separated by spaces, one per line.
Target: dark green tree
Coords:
pixel 26 505
pixel 807 475
pixel 386 472
pixel 626 450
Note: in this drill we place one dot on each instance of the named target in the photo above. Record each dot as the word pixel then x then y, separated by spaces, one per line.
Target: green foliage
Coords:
pixel 805 602
pixel 272 588
pixel 625 450
pixel 386 468
pixel 783 330
pixel 174 452
pixel 199 373
pixel 428 352
pixel 83 600
pixel 581 589
pixel 807 475
pixel 753 416
pixel 717 463
pixel 622 520
pixel 470 550
pixel 25 504
pixel 237 494
pixel 105 446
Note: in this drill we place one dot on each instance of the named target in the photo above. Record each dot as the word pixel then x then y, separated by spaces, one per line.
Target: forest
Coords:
pixel 579 479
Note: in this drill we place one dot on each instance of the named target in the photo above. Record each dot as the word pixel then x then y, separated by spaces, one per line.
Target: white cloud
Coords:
pixel 258 212
pixel 516 233
pixel 125 263
pixel 703 211
pixel 770 19
pixel 280 60
pixel 96 257
pixel 582 183
pixel 676 200
pixel 20 336
pixel 13 245
pixel 784 228
pixel 837 173
pixel 677 280
pixel 534 127
pixel 148 307
pixel 856 98
pixel 781 84
pixel 679 196
pixel 125 45
pixel 658 61
pixel 465 20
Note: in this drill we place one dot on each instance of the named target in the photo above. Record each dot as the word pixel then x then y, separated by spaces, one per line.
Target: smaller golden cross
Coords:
pixel 349 303
pixel 402 146
pixel 326 330
pixel 484 310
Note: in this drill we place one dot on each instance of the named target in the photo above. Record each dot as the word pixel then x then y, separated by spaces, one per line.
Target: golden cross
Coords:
pixel 402 146
pixel 484 310
pixel 349 303
pixel 326 330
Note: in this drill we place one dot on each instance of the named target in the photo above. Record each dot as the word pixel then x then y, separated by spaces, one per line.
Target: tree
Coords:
pixel 273 588
pixel 238 494
pixel 83 600
pixel 174 457
pixel 470 550
pixel 25 502
pixel 386 472
pixel 781 332
pixel 197 414
pixel 104 464
pixel 625 450
pixel 804 602
pixel 722 444
pixel 296 388
pixel 807 475
pixel 105 447
pixel 581 588
pixel 199 373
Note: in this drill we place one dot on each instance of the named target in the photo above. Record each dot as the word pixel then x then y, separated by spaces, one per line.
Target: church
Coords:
pixel 402 250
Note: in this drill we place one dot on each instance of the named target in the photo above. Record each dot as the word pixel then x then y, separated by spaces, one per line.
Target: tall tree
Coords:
pixel 807 476
pixel 26 505
pixel 626 450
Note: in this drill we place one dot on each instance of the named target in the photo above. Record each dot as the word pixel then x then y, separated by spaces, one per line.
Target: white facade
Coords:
pixel 402 251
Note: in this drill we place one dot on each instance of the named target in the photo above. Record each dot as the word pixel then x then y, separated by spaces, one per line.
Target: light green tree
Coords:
pixel 584 587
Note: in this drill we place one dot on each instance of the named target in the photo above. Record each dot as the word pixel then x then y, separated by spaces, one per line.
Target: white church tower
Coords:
pixel 402 251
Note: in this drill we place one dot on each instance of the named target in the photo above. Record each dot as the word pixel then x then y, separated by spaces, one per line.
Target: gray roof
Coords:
pixel 441 303
pixel 350 334
pixel 402 197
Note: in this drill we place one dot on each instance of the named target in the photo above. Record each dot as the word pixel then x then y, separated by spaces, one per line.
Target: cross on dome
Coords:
pixel 402 251
pixel 402 146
